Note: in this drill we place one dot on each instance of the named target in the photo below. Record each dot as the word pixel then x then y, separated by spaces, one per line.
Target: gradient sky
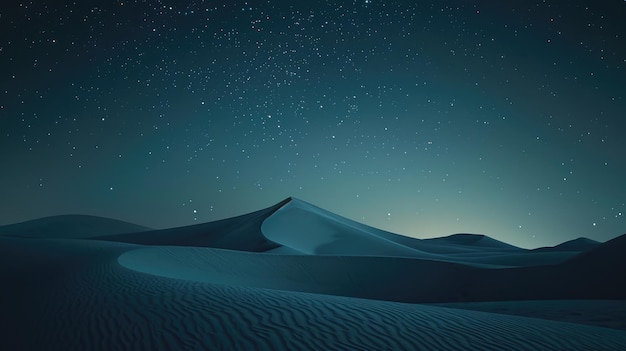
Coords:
pixel 422 118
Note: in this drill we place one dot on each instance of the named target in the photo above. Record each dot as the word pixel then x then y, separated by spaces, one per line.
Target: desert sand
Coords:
pixel 296 277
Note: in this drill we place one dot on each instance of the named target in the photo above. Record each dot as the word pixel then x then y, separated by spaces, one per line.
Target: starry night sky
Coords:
pixel 422 118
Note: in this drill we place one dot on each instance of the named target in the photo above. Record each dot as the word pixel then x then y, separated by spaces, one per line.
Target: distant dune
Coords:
pixel 294 276
pixel 577 245
pixel 70 227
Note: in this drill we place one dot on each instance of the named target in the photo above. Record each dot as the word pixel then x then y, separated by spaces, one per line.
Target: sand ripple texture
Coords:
pixel 78 297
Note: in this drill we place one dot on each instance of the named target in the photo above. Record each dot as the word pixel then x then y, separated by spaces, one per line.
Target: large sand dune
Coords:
pixel 344 286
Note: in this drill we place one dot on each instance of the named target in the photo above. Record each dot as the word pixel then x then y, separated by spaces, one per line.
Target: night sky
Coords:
pixel 422 118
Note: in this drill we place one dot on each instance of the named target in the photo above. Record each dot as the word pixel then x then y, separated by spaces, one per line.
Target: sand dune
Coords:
pixel 307 229
pixel 311 230
pixel 297 227
pixel 577 245
pixel 294 276
pixel 472 241
pixel 70 227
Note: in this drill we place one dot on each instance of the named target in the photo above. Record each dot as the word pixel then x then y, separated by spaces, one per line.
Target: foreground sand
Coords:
pixel 77 297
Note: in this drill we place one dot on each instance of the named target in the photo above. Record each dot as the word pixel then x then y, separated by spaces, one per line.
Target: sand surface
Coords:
pixel 262 288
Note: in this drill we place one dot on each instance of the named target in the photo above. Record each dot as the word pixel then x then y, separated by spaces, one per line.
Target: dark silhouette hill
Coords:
pixel 70 227
pixel 579 244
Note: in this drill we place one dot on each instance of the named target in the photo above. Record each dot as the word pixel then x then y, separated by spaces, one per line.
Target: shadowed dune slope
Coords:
pixel 238 233
pixel 595 274
pixel 69 227
pixel 608 255
pixel 79 298
pixel 603 268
